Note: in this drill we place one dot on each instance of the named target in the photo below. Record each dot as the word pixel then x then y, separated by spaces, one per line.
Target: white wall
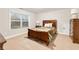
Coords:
pixel 5 22
pixel 62 17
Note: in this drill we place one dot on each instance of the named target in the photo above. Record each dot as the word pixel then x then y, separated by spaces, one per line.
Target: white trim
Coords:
pixel 8 37
pixel 63 33
pixel 16 12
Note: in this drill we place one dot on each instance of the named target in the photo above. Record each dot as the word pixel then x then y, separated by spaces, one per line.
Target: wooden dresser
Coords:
pixel 75 30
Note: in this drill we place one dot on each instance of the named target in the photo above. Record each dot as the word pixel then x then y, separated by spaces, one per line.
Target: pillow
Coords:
pixel 48 25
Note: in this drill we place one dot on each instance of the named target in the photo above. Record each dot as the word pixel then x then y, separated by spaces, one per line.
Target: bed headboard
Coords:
pixel 54 22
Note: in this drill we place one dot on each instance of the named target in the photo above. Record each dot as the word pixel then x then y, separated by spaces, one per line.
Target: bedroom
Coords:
pixel 16 36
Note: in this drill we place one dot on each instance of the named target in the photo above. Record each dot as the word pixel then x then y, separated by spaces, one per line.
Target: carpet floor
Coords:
pixel 62 42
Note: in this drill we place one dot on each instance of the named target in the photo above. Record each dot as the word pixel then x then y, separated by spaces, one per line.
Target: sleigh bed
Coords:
pixel 46 33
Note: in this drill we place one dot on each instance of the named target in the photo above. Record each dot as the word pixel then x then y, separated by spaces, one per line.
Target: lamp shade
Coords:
pixel 37 22
pixel 74 11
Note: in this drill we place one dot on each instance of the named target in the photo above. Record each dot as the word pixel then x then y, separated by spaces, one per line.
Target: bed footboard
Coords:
pixel 39 35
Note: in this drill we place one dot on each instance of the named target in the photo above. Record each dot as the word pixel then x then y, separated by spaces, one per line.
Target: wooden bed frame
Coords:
pixel 42 35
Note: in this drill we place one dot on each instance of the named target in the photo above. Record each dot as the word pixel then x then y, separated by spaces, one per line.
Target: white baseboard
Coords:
pixel 63 33
pixel 8 37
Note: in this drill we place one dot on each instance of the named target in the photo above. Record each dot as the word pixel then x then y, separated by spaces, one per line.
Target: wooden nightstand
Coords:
pixel 38 26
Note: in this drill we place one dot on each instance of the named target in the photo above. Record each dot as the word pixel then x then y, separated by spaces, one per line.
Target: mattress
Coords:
pixel 44 29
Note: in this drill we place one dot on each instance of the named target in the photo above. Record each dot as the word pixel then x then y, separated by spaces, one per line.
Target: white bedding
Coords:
pixel 44 29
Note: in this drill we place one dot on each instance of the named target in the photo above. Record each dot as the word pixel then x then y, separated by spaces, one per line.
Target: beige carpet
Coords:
pixel 62 42
pixel 22 43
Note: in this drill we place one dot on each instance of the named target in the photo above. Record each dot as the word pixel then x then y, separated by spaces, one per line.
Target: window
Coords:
pixel 18 21
pixel 24 21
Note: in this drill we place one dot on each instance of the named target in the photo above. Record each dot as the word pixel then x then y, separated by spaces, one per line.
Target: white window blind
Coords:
pixel 18 20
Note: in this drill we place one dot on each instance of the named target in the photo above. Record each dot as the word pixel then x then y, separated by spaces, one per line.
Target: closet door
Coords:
pixel 71 30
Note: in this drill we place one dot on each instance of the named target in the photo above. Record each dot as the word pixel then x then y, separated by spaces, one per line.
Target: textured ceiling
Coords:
pixel 39 10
